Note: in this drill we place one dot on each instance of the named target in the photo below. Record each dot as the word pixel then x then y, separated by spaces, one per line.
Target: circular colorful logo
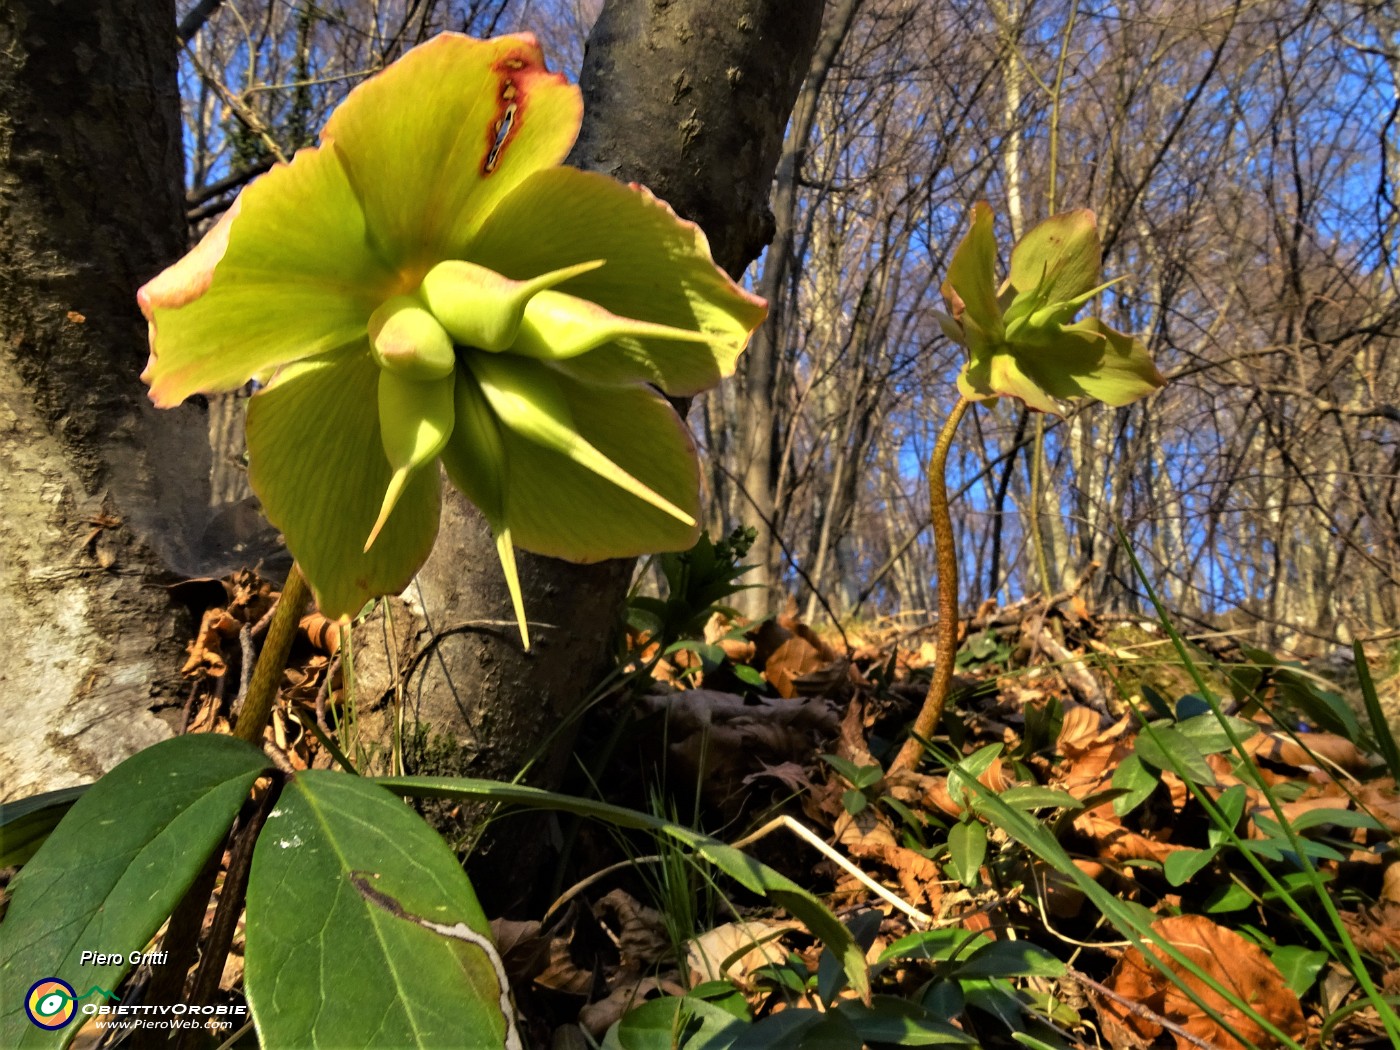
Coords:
pixel 50 1003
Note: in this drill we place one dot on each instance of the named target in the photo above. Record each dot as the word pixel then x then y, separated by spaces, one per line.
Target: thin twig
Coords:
pixel 1139 1010
pixel 812 839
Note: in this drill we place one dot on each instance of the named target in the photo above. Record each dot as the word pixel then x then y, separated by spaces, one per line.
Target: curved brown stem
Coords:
pixel 947 556
pixel 272 661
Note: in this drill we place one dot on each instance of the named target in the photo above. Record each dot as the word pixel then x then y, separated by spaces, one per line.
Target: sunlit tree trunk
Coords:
pixel 104 498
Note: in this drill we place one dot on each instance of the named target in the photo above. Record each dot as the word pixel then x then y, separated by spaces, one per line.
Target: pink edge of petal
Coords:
pixel 756 301
pixel 187 279
pixel 180 284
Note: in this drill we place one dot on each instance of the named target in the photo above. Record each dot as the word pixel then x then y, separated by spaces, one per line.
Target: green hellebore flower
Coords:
pixel 428 284
pixel 1022 337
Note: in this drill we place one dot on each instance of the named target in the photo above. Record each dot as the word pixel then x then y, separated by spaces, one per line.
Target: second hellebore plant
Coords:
pixel 1023 342
pixel 428 284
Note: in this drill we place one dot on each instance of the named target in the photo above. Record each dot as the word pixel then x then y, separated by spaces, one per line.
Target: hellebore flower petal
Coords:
pixel 435 141
pixel 1020 340
pixel 657 268
pixel 528 400
pixel 557 507
pixel 1000 376
pixel 1097 361
pixel 970 288
pixel 1059 259
pixel 315 459
pixel 285 275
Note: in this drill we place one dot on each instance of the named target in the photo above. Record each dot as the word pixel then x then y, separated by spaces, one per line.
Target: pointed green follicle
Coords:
pixel 415 421
pixel 557 326
pixel 526 398
pixel 474 458
pixel 408 340
pixel 480 307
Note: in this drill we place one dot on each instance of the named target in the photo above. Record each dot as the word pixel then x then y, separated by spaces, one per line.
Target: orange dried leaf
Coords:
pixel 1233 962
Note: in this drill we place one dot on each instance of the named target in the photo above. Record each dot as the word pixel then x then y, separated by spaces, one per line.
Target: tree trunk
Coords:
pixel 689 99
pixel 103 497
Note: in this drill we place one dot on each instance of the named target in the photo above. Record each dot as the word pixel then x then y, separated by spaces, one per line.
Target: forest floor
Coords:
pixel 1096 796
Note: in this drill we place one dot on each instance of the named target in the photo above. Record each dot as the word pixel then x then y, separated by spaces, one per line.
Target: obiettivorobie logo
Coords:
pixel 52 1004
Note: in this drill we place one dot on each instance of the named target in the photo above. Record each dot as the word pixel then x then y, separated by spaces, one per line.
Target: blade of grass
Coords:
pixel 1353 959
pixel 1385 739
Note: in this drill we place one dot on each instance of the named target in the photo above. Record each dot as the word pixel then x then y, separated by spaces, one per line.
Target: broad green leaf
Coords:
pixel 1182 865
pixel 27 822
pixel 657 268
pixel 436 140
pixel 1209 736
pixel 1231 897
pixel 1168 748
pixel 967 848
pixel 1136 781
pixel 363 929
pixel 287 275
pixel 1323 708
pixel 899 1022
pixel 674 1023
pixel 113 870
pixel 996 997
pixel 317 463
pixel 831 978
pixel 737 865
pixel 929 944
pixel 1299 966
pixel 800 1029
pixel 1008 959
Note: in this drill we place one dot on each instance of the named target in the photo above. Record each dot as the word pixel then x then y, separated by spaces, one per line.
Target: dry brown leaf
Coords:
pixel 563 974
pixel 523 946
pixel 705 955
pixel 1235 963
pixel 1327 751
pixel 641 931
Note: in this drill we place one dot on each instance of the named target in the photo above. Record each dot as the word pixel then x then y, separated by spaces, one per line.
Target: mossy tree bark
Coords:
pixel 690 98
pixel 102 496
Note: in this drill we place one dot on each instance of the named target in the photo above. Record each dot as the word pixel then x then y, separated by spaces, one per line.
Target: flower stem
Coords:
pixel 947 557
pixel 272 661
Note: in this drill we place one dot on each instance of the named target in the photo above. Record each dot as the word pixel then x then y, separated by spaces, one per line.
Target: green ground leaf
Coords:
pixel 967 848
pixel 1168 748
pixel 899 1022
pixel 1180 867
pixel 737 865
pixel 114 869
pixel 25 824
pixel 674 1023
pixel 363 929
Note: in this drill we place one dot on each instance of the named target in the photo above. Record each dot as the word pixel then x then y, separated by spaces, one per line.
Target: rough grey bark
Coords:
pixel 100 495
pixel 690 98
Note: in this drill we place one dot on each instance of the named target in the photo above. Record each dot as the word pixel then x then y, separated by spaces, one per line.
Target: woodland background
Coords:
pixel 1243 161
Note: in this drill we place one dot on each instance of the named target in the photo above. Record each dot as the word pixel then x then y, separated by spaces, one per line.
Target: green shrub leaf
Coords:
pixel 363 929
pixel 114 869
